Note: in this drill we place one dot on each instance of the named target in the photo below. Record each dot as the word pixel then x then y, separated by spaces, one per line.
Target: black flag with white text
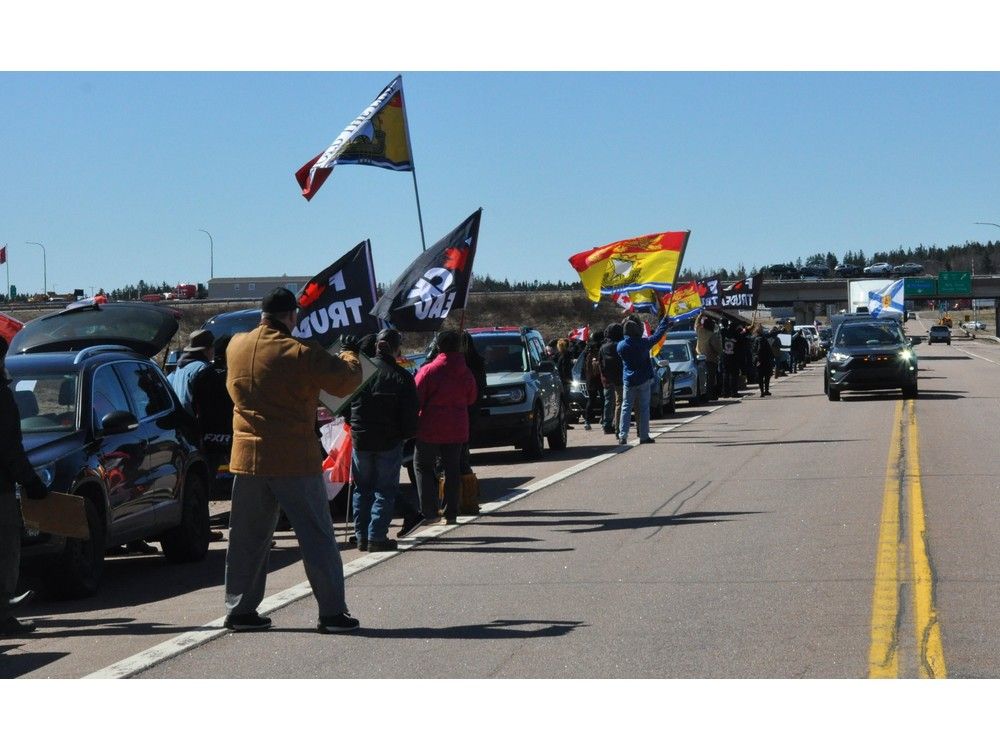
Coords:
pixel 436 283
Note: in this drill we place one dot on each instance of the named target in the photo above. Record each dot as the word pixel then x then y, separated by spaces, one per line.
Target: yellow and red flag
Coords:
pixel 684 302
pixel 644 267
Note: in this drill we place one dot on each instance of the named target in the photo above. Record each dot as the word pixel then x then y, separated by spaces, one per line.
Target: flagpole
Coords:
pixel 413 165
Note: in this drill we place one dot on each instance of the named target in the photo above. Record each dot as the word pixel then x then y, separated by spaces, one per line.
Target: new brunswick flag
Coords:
pixel 644 267
pixel 685 302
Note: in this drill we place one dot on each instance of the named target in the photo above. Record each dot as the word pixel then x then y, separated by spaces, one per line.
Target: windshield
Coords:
pixel 502 353
pixel 46 403
pixel 675 353
pixel 869 334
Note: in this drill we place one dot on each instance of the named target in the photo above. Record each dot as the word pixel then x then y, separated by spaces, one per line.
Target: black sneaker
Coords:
pixel 337 623
pixel 382 545
pixel 13 626
pixel 244 623
pixel 361 544
pixel 411 524
pixel 23 598
pixel 622 441
pixel 646 441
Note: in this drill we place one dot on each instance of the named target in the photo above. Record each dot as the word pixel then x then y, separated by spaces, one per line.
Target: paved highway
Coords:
pixel 779 537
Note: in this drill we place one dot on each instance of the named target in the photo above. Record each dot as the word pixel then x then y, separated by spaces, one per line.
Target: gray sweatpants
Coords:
pixel 10 549
pixel 254 515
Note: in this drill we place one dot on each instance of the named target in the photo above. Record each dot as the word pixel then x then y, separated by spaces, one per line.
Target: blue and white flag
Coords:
pixel 887 302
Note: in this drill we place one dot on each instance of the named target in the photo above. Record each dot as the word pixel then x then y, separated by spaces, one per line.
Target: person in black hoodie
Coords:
pixel 763 359
pixel 611 377
pixel 14 468
pixel 383 416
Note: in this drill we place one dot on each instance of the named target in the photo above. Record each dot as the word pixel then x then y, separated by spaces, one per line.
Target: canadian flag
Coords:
pixel 580 334
pixel 646 330
pixel 622 299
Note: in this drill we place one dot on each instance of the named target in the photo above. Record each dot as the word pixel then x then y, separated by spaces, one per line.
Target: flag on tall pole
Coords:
pixel 377 137
pixel 3 254
pixel 643 267
pixel 434 284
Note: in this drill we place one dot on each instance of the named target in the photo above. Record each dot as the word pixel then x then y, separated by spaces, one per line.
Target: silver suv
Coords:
pixel 524 402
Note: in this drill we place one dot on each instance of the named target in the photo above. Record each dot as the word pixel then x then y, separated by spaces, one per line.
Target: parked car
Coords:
pixel 940 334
pixel 847 270
pixel 814 272
pixel 974 325
pixel 689 370
pixel 907 269
pixel 812 336
pixel 100 421
pixel 870 355
pixel 781 271
pixel 877 270
pixel 661 400
pixel 524 402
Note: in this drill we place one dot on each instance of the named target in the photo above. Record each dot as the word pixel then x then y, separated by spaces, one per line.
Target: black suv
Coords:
pixel 524 401
pixel 870 355
pixel 100 421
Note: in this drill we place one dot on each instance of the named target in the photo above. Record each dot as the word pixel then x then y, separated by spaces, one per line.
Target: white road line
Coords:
pixel 184 642
pixel 977 356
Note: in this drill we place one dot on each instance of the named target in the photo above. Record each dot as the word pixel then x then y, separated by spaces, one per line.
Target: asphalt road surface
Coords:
pixel 780 537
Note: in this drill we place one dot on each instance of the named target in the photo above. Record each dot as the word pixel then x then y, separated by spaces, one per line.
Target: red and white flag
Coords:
pixel 646 330
pixel 622 299
pixel 580 334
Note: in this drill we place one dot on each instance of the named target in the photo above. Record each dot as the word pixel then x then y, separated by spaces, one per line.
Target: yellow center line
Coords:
pixel 928 629
pixel 883 657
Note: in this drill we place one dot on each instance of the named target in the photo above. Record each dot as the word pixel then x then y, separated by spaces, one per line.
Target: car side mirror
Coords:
pixel 914 340
pixel 119 422
pixel 546 365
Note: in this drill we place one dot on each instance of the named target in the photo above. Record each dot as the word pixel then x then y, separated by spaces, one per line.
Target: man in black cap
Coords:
pixel 275 381
pixel 383 416
pixel 14 467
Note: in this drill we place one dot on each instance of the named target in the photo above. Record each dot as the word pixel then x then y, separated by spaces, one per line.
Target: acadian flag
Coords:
pixel 684 302
pixel 377 137
pixel 643 267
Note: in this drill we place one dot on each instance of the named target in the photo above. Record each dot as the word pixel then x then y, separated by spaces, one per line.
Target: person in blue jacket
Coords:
pixel 637 377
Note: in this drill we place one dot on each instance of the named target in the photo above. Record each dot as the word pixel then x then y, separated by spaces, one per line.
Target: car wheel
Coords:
pixel 557 438
pixel 910 391
pixel 832 393
pixel 188 542
pixel 826 385
pixel 656 412
pixel 534 441
pixel 81 565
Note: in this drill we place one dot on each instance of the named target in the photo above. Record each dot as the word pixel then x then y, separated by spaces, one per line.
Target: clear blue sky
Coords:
pixel 116 172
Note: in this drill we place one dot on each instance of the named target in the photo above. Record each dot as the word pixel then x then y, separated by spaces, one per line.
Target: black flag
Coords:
pixel 742 294
pixel 335 302
pixel 436 283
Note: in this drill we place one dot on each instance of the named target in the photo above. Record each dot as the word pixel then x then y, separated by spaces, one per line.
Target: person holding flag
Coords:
pixel 637 376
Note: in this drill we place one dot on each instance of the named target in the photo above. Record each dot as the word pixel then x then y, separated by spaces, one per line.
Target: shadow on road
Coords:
pixel 924 395
pixel 613 522
pixel 496 630
pixel 789 442
pixel 130 581
pixel 925 357
pixel 15 665
pixel 570 453
pixel 486 544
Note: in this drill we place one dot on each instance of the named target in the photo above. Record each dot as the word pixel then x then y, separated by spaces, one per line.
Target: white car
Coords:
pixel 974 325
pixel 812 336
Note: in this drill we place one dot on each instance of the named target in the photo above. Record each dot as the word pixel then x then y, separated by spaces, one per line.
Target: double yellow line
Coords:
pixel 902 484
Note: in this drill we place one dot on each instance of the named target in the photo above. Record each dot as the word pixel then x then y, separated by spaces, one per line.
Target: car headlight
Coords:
pixel 839 357
pixel 513 395
pixel 906 355
pixel 578 386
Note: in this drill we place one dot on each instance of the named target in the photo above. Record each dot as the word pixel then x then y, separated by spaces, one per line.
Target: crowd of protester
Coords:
pixel 253 399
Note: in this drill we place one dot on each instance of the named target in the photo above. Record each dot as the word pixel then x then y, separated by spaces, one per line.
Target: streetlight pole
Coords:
pixel 45 273
pixel 211 254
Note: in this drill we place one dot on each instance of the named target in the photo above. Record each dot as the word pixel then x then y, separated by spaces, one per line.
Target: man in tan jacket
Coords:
pixel 275 381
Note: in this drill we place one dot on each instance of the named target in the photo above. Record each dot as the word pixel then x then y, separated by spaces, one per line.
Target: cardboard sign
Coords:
pixel 337 404
pixel 57 513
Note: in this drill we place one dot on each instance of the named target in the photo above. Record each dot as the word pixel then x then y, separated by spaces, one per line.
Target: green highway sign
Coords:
pixel 919 287
pixel 956 283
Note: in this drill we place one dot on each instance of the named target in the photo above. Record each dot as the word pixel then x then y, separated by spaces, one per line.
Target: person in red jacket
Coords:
pixel 446 388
